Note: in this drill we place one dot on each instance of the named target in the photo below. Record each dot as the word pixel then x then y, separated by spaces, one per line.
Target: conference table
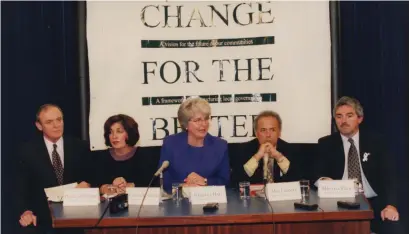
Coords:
pixel 254 215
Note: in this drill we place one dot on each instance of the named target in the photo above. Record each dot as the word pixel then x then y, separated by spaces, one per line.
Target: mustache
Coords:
pixel 344 125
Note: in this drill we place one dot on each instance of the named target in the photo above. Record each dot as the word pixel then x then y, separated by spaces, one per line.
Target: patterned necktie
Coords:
pixel 270 177
pixel 58 168
pixel 354 170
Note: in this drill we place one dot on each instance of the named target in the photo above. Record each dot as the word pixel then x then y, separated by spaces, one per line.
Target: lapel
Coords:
pixel 68 157
pixel 45 162
pixel 207 144
pixel 340 156
pixel 363 148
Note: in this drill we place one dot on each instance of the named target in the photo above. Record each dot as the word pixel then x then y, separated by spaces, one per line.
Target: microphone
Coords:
pixel 165 165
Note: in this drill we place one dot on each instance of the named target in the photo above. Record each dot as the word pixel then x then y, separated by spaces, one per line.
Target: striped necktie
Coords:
pixel 354 169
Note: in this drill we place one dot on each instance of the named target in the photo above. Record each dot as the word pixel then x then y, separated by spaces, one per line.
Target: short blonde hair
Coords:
pixel 190 107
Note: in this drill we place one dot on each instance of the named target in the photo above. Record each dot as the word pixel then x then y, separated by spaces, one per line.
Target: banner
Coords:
pixel 145 58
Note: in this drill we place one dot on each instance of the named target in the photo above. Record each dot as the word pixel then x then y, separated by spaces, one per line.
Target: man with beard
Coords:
pixel 352 153
pixel 266 158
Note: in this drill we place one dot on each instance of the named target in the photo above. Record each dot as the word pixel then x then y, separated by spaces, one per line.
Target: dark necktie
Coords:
pixel 354 170
pixel 58 168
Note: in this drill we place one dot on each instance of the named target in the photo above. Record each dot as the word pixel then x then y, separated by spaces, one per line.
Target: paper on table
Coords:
pixel 56 194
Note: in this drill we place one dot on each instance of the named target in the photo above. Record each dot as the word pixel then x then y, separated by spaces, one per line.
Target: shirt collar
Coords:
pixel 49 144
pixel 354 137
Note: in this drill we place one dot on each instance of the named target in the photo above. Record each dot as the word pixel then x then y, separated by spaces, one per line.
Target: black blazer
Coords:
pixel 246 150
pixel 379 169
pixel 35 172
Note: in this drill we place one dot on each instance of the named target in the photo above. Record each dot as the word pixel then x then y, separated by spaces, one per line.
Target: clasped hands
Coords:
pixel 270 150
pixel 194 179
pixel 120 185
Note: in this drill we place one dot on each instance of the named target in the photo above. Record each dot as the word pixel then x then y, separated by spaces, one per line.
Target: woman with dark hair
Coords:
pixel 123 164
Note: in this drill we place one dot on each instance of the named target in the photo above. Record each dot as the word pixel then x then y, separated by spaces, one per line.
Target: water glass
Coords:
pixel 177 191
pixel 305 188
pixel 358 186
pixel 244 187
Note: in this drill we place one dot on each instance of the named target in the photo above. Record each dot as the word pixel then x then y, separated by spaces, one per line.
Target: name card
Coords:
pixel 56 194
pixel 81 197
pixel 135 196
pixel 186 192
pixel 336 188
pixel 207 194
pixel 283 191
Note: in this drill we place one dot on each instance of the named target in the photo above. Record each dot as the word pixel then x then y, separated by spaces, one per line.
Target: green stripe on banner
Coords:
pixel 247 41
pixel 223 98
pixel 154 101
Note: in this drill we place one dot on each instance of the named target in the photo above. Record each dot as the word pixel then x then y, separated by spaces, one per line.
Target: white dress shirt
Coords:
pixel 368 191
pixel 60 148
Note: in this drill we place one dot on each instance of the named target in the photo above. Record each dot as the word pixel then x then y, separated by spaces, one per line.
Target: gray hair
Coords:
pixel 190 107
pixel 349 101
pixel 267 113
pixel 44 108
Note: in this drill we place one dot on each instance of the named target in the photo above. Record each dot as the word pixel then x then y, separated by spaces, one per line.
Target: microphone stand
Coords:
pixel 143 199
pixel 265 171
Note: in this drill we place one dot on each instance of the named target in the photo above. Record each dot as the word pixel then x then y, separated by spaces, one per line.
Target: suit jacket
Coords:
pixel 210 161
pixel 246 150
pixel 379 169
pixel 36 172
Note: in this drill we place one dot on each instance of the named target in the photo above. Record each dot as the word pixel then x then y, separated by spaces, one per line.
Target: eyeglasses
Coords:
pixel 200 120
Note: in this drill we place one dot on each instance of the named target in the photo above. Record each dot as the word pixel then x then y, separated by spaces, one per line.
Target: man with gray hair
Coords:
pixel 267 158
pixel 48 160
pixel 355 154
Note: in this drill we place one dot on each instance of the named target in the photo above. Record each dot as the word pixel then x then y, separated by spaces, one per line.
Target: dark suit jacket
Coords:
pixel 379 169
pixel 246 150
pixel 35 172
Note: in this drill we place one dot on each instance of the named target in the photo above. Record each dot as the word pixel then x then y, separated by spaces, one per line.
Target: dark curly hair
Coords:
pixel 129 124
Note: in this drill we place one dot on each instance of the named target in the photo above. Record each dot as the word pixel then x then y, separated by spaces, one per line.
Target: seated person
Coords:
pixel 266 158
pixel 123 164
pixel 196 157
pixel 48 160
pixel 355 154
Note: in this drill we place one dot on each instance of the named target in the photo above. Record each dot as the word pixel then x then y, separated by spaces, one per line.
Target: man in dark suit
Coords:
pixel 354 154
pixel 47 161
pixel 266 158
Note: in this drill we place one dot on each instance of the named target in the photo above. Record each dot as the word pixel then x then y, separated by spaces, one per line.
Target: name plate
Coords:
pixel 135 196
pixel 336 188
pixel 81 197
pixel 283 191
pixel 207 194
pixel 56 194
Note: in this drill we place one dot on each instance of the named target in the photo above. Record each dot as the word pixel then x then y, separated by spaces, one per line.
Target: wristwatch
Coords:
pixel 205 180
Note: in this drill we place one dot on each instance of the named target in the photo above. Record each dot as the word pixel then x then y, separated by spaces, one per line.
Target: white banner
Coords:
pixel 145 57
